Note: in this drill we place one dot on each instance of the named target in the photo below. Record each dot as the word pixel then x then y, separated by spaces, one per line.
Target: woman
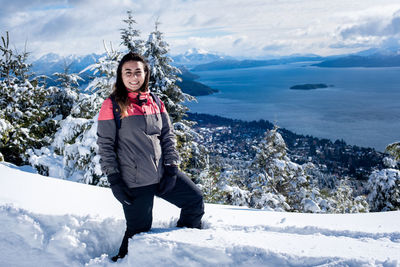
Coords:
pixel 140 158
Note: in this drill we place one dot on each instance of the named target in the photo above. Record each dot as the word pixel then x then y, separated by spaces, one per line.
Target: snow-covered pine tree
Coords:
pixel 279 182
pixel 7 63
pixel 72 153
pixel 48 160
pixel 224 186
pixel 130 36
pixel 384 185
pixel 163 77
pixel 12 63
pixel 68 94
pixel 28 113
pixel 393 160
pixel 106 72
pixel 343 201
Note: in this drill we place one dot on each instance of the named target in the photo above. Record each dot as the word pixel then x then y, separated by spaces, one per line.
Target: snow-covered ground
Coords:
pixel 51 222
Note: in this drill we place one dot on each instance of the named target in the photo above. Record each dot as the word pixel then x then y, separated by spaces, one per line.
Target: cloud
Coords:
pixel 8 7
pixel 379 27
pixel 238 41
pixel 191 21
pixel 357 44
pixel 253 28
pixel 273 47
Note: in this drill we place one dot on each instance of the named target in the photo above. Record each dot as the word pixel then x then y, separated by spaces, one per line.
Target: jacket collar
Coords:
pixel 135 96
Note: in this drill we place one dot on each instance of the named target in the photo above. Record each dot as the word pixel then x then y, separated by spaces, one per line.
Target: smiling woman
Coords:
pixel 139 155
pixel 133 75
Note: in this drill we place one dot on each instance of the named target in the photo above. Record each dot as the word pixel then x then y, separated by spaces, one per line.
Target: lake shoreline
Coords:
pixel 361 108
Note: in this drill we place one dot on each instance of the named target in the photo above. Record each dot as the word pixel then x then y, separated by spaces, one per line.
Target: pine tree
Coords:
pixel 393 160
pixel 384 185
pixel 72 153
pixel 6 62
pixel 224 186
pixel 130 36
pixel 280 181
pixel 343 201
pixel 68 93
pixel 106 72
pixel 28 113
pixel 164 76
pixel 13 65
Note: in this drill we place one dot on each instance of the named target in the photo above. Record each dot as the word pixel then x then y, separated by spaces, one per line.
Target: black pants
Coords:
pixel 139 215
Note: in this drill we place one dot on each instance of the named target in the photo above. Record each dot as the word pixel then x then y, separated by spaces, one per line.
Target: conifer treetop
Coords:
pixel 130 36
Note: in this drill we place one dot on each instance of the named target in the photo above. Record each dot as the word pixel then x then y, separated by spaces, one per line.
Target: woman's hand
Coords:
pixel 168 180
pixel 119 189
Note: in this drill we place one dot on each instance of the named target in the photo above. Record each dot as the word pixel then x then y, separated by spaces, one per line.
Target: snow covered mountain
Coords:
pixel 51 63
pixel 373 57
pixel 51 222
pixel 195 56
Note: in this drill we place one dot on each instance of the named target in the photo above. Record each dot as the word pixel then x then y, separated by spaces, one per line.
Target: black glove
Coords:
pixel 168 180
pixel 119 189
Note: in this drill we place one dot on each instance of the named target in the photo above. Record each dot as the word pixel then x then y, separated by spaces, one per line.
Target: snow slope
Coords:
pixel 50 222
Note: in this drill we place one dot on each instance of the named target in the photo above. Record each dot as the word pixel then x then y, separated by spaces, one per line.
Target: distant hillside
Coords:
pixel 191 87
pixel 371 61
pixel 51 63
pixel 236 64
pixel 195 88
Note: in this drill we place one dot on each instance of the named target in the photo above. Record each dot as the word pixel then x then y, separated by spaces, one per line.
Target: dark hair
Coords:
pixel 119 91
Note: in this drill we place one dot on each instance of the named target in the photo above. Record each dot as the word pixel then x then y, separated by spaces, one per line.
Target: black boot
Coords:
pixel 116 257
pixel 123 249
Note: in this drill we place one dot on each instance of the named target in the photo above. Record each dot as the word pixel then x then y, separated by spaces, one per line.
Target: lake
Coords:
pixel 362 107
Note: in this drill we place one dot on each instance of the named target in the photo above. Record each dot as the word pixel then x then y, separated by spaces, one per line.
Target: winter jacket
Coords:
pixel 141 146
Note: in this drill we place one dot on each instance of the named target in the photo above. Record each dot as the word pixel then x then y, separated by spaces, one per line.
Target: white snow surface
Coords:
pixel 52 222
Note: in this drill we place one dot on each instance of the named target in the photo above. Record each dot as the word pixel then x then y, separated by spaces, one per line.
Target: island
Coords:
pixel 309 86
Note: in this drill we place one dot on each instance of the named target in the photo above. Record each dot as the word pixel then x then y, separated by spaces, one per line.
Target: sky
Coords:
pixel 251 28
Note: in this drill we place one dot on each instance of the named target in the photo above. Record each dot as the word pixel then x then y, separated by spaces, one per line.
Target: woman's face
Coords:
pixel 133 75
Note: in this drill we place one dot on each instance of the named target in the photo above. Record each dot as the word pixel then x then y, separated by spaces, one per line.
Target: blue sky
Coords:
pixel 251 28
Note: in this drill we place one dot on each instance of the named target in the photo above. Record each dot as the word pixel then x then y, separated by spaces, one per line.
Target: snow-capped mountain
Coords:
pixel 51 222
pixel 385 56
pixel 51 63
pixel 196 56
pixel 387 50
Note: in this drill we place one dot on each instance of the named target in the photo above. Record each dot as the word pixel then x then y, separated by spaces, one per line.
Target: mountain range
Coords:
pixel 370 61
pixel 51 63
pixel 194 56
pixel 201 60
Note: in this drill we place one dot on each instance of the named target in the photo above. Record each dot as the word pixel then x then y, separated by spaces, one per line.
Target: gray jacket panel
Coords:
pixel 144 143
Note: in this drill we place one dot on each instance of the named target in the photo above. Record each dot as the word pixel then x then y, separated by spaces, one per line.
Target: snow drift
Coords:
pixel 51 222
